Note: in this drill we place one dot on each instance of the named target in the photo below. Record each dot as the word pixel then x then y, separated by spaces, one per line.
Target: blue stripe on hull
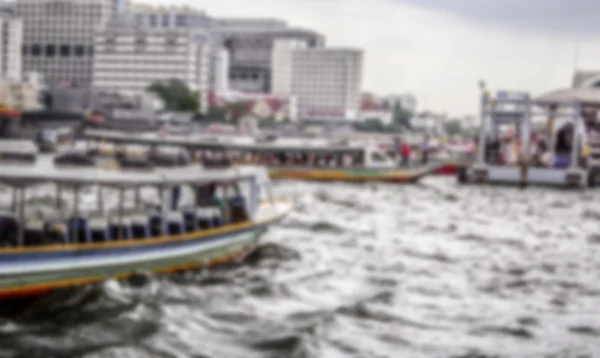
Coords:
pixel 35 258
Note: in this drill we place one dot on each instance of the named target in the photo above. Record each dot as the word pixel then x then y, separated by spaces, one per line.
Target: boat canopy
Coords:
pixel 242 144
pixel 16 175
pixel 582 95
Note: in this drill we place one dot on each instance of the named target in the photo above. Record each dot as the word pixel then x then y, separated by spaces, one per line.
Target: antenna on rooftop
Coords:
pixel 576 56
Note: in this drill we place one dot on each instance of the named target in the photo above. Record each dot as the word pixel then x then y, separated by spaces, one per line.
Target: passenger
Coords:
pixel 347 160
pixel 546 156
pixel 175 196
pixel 425 150
pixel 405 152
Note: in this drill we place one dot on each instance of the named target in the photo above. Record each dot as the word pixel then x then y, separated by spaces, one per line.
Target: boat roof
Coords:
pixel 18 146
pixel 583 95
pixel 44 171
pixel 235 143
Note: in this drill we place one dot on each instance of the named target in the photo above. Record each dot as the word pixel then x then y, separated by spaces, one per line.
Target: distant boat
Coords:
pixel 288 158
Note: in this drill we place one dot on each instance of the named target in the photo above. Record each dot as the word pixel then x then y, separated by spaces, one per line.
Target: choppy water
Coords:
pixel 430 270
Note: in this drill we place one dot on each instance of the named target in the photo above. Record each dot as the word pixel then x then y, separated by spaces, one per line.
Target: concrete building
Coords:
pixel 281 64
pixel 169 16
pixel 58 37
pixel 219 74
pixel 11 33
pixel 327 83
pixel 250 45
pixel 130 57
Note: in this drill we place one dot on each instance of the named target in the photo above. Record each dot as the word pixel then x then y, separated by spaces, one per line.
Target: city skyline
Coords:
pixel 410 46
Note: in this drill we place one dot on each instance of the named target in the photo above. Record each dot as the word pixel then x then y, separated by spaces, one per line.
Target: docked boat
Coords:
pixel 510 153
pixel 46 244
pixel 304 159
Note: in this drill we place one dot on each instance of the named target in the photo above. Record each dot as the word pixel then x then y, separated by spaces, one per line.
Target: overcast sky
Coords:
pixel 439 49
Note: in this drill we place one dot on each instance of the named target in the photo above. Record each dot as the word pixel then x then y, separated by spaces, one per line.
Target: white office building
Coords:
pixel 219 73
pixel 250 44
pixel 130 57
pixel 327 83
pixel 58 37
pixel 281 64
pixel 11 33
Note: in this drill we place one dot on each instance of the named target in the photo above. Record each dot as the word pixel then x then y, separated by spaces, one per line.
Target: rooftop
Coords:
pixel 159 9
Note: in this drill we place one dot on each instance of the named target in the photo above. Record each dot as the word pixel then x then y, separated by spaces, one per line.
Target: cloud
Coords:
pixel 566 18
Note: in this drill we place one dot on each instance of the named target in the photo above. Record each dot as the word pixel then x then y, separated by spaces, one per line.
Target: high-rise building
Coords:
pixel 58 37
pixel 220 70
pixel 281 64
pixel 327 83
pixel 11 33
pixel 130 57
pixel 169 16
pixel 250 45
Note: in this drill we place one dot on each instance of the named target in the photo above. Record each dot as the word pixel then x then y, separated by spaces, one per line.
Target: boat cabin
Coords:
pixel 279 152
pixel 163 204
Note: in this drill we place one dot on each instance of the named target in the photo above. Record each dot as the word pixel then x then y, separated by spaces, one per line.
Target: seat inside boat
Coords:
pixel 78 230
pixel 127 162
pixel 75 158
pixel 9 230
pixel 237 207
pixel 211 209
pixel 175 225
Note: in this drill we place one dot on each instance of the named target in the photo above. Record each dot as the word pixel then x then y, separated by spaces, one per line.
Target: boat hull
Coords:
pixel 512 176
pixel 26 273
pixel 449 169
pixel 349 175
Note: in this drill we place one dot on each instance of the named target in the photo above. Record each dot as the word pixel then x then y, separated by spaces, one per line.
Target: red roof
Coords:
pixel 214 100
pixel 369 102
pixel 274 104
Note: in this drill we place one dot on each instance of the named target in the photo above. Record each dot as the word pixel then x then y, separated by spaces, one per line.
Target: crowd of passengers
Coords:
pixel 303 159
pixel 507 150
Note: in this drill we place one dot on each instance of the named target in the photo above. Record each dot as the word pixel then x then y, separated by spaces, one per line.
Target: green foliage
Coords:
pixel 453 127
pixel 267 122
pixel 401 116
pixel 176 95
pixel 237 110
pixel 370 125
pixel 217 114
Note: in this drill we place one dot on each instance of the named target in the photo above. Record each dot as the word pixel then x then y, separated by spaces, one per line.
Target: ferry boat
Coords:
pixel 304 159
pixel 555 157
pixel 45 245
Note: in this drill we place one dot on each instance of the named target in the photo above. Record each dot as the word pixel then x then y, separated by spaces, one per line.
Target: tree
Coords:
pixel 176 95
pixel 217 114
pixel 401 116
pixel 453 127
pixel 268 122
pixel 370 125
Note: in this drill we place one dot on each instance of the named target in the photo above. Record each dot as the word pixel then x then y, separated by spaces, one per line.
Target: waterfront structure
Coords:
pixel 58 37
pixel 250 43
pixel 130 56
pixel 327 83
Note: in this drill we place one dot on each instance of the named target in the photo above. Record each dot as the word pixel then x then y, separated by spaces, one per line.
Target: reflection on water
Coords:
pixel 430 270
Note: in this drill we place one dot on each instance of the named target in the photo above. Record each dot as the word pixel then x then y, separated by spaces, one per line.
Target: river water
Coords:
pixel 427 270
